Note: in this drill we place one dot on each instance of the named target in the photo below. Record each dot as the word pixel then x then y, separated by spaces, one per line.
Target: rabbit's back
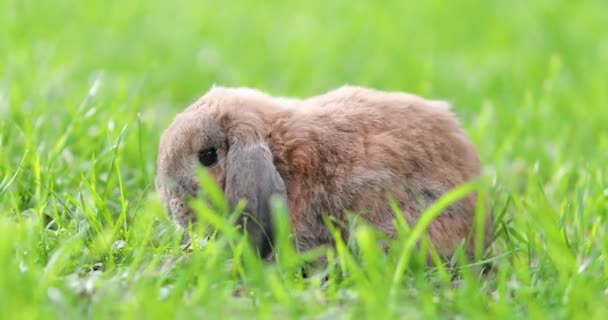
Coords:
pixel 348 149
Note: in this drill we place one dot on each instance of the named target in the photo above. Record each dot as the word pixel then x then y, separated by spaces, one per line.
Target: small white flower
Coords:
pixel 119 244
pixel 22 266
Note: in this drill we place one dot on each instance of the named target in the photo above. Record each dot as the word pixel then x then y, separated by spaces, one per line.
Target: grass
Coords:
pixel 87 87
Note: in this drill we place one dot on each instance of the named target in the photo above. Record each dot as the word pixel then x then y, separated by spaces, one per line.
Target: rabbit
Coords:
pixel 336 153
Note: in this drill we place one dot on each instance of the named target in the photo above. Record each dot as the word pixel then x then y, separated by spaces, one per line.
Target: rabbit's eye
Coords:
pixel 208 157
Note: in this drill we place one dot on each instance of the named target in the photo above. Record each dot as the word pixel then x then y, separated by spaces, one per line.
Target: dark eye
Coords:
pixel 208 157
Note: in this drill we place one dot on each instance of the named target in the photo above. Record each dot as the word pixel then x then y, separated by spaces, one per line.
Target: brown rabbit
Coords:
pixel 343 151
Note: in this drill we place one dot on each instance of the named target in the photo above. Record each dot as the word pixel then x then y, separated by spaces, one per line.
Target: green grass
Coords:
pixel 86 88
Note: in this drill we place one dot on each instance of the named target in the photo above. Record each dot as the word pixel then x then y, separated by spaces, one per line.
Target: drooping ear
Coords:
pixel 251 175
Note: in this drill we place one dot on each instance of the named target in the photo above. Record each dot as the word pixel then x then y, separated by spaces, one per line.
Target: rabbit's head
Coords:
pixel 225 132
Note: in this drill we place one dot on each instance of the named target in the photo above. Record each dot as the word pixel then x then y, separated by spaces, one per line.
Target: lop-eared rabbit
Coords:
pixel 341 152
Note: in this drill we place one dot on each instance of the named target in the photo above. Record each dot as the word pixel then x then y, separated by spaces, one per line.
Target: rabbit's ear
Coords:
pixel 251 175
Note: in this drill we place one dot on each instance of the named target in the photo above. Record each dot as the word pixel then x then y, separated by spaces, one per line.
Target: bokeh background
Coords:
pixel 526 77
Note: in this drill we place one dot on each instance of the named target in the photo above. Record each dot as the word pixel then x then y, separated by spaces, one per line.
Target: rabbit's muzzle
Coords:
pixel 175 196
pixel 180 212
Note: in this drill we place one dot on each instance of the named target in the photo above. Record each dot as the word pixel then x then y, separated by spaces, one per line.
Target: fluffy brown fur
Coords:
pixel 341 151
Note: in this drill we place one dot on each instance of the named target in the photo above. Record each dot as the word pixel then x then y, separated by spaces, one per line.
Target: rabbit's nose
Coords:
pixel 188 186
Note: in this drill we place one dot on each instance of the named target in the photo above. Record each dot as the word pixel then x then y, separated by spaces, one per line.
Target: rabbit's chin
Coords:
pixel 182 215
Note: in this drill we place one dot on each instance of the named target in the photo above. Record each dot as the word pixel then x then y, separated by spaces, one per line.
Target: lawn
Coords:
pixel 86 88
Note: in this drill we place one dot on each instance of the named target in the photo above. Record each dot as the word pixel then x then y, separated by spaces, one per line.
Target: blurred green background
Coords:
pixel 537 66
pixel 86 88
